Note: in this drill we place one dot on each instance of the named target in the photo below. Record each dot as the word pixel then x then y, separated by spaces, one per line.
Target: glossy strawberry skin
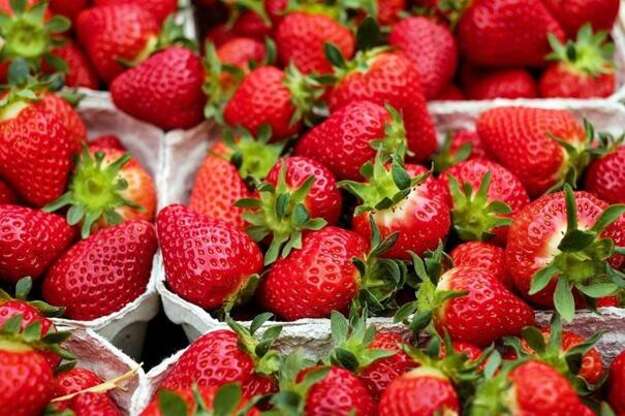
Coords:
pixel 519 139
pixel 85 404
pixel 559 81
pixel 572 14
pixel 505 83
pixel 30 240
pixel 431 47
pixel 108 141
pixel 113 33
pixel 160 9
pixel 80 72
pixel 173 75
pixel 206 260
pixel 300 38
pixel 507 32
pixel 419 393
pixel 315 280
pixel 486 313
pixel 422 219
pixel 616 384
pixel 478 254
pixel 324 199
pixel 391 78
pixel 605 177
pixel 105 272
pixel 71 119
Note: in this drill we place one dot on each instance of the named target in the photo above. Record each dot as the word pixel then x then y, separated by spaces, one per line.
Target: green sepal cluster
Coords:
pixel 394 141
pixel 22 290
pixel 446 158
pixel 306 93
pixel 582 262
pixel 227 402
pixel 267 360
pixel 94 192
pixel 492 392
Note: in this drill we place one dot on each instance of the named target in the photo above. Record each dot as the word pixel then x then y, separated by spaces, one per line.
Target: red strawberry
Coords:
pixel 84 404
pixel 573 14
pixel 124 191
pixel 459 146
pixel 522 140
pixel 7 196
pixel 605 177
pixel 504 83
pixel 477 254
pixel 507 32
pixel 115 33
pixel 485 195
pixel 80 72
pixel 105 272
pixel 68 8
pixel 240 51
pixel 30 240
pixel 300 38
pixel 389 11
pixel 222 33
pixel 581 69
pixel 207 261
pixel 616 384
pixel 71 119
pixel 108 141
pixel 388 78
pixel 450 93
pixel 251 25
pixel 161 9
pixel 422 391
pixel 432 49
pixel 549 233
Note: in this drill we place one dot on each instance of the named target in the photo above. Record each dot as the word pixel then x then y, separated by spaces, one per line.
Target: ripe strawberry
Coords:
pixel 108 141
pixel 389 11
pixel 300 38
pixel 450 93
pixel 251 25
pixel 222 33
pixel 477 254
pixel 161 9
pixel 507 32
pixel 115 33
pixel 107 188
pixel 105 272
pixel 581 69
pixel 403 201
pixel 68 8
pixel 484 195
pixel 84 404
pixel 207 261
pixel 80 72
pixel 422 391
pixel 30 240
pixel 522 140
pixel 431 48
pixel 240 51
pixel 7 196
pixel 605 177
pixel 388 78
pixel 573 14
pixel 561 242
pixel 616 383
pixel 71 119
pixel 504 83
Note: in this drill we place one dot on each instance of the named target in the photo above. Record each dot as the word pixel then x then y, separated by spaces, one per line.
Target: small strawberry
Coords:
pixel 581 69
pixel 107 188
pixel 573 14
pixel 477 254
pixel 458 146
pixel 87 403
pixel 605 177
pixel 80 72
pixel 503 83
pixel 485 195
pixel 616 383
pixel 241 51
pixel 7 196
pixel 104 273
pixel 562 244
pixel 432 49
pixel 108 141
pixel 207 261
pixel 161 9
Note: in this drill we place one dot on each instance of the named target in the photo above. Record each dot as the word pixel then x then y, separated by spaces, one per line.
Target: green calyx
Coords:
pixel 95 192
pixel 590 54
pixel 253 157
pixel 360 63
pixel 474 215
pixel 281 212
pixel 306 92
pixel 216 90
pixel 453 9
pixel 267 360
pixel 493 395
pixel 394 140
pixel 447 158
pixel 22 290
pixel 581 262
pixel 227 402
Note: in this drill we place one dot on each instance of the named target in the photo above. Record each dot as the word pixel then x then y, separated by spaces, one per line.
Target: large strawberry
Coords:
pixel 503 83
pixel 30 241
pixel 387 78
pixel 565 241
pixel 207 261
pixel 507 32
pixel 605 177
pixel 581 68
pixel 431 47
pixel 616 383
pixel 161 9
pixel 477 254
pixel 104 273
pixel 573 14
pixel 543 148
pixel 174 75
pixel 74 381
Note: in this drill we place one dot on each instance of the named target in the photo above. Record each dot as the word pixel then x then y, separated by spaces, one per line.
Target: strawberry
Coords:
pixel 84 404
pixel 30 240
pixel 480 255
pixel 107 188
pixel 80 72
pixel 347 139
pixel 71 119
pixel 240 51
pixel 450 93
pixel 115 33
pixel 389 12
pixel 507 32
pixel 7 196
pixel 270 96
pixel 560 244
pixel 68 8
pixel 616 383
pixel 458 146
pixel 300 38
pixel 222 33
pixel 108 141
pixel 251 25
pixel 533 144
pixel 431 48
pixel 404 201
pixel 503 83
pixel 207 261
pixel 485 195
pixel 161 9
pixel 581 69
pixel 105 272
pixel 573 14
pixel 605 176
pixel 387 78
